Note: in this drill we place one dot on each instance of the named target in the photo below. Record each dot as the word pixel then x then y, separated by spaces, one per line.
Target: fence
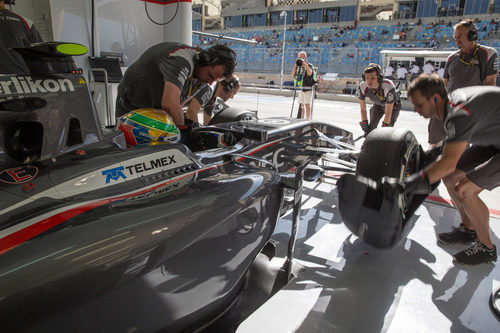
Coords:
pixel 344 61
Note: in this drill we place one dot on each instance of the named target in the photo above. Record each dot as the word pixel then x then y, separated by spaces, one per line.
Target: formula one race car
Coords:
pixel 98 236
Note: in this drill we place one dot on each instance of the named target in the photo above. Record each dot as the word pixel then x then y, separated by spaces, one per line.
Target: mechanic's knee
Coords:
pixel 467 190
pixel 453 179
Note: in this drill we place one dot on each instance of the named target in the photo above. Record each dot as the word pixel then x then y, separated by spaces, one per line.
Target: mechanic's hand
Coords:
pixel 186 130
pixel 365 127
pixel 418 183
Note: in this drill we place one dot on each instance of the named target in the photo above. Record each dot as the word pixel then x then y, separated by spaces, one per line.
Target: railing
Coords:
pixel 350 61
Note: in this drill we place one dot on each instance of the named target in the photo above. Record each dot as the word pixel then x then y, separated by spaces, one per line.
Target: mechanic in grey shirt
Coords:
pixel 470 162
pixel 167 74
pixel 472 64
pixel 15 31
pixel 382 92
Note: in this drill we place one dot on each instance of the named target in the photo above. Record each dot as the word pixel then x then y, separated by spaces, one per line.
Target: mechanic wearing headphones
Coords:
pixel 224 90
pixel 15 31
pixel 471 65
pixel 470 162
pixel 382 92
pixel 167 75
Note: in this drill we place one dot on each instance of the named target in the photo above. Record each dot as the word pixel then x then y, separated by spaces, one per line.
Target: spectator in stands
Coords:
pixel 428 67
pixel 303 74
pixel 167 74
pixel 472 64
pixel 16 31
pixel 470 162
pixel 389 71
pixel 414 70
pixel 382 92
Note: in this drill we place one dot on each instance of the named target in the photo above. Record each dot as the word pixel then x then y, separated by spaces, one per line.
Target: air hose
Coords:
pixel 495 296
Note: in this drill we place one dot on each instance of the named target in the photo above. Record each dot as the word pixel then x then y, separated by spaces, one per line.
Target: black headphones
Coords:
pixel 370 68
pixel 215 55
pixel 472 33
pixel 231 84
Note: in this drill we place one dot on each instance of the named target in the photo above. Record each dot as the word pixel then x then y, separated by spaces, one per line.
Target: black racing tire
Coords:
pixel 388 151
pixel 231 114
pixel 392 152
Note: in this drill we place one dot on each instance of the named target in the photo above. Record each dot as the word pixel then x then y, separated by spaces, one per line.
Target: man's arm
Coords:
pixel 362 106
pixel 445 81
pixel 388 113
pixel 193 109
pixel 490 80
pixel 448 162
pixel 170 103
pixel 294 70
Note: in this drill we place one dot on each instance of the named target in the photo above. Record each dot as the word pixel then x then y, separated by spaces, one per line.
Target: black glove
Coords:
pixel 418 183
pixel 365 127
pixel 186 130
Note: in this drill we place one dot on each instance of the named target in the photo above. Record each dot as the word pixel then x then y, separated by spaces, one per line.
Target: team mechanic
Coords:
pixel 167 74
pixel 471 65
pixel 15 31
pixel 470 162
pixel 382 92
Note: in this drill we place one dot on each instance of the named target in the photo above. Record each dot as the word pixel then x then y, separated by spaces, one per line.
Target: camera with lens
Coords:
pixel 299 62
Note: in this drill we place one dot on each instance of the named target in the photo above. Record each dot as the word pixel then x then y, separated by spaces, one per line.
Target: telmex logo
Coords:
pixel 26 85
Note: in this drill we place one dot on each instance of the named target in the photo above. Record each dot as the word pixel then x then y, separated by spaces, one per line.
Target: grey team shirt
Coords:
pixel 143 82
pixel 386 94
pixel 473 115
pixel 15 31
pixel 461 75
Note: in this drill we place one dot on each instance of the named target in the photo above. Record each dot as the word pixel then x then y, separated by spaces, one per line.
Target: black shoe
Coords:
pixel 477 254
pixel 458 235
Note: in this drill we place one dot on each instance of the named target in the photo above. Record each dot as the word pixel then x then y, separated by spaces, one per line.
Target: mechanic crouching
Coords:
pixel 167 75
pixel 470 161
pixel 382 92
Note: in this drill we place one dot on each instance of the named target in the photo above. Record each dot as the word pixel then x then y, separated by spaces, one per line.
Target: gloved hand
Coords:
pixel 384 124
pixel 417 183
pixel 429 156
pixel 186 130
pixel 365 127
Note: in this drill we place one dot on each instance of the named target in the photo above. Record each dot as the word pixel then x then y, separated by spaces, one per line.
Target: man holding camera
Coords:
pixel 382 92
pixel 303 74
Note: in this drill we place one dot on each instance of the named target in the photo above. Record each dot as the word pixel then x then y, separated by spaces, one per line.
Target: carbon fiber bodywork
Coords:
pixel 98 237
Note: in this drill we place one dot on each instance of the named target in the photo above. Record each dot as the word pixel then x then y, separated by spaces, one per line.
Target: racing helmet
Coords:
pixel 148 126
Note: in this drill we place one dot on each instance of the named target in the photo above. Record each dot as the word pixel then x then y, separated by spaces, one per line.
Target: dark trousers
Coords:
pixel 378 111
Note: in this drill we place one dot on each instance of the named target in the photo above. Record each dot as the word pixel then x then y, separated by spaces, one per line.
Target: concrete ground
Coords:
pixel 348 286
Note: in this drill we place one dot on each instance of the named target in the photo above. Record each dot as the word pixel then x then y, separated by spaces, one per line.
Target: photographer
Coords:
pixel 303 74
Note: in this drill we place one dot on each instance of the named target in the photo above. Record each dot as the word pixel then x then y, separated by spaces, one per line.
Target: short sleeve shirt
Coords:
pixel 15 31
pixel 143 82
pixel 473 115
pixel 386 94
pixel 465 70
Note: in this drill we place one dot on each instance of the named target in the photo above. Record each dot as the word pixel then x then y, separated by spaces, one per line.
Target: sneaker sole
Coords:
pixel 455 261
pixel 440 241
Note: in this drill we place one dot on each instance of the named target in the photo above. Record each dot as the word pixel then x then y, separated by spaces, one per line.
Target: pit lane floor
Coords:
pixel 348 286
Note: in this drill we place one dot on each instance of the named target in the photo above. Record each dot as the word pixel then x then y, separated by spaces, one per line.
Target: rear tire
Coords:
pixel 388 152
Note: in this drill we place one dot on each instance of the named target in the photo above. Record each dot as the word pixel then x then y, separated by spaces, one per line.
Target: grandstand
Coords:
pixel 342 36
